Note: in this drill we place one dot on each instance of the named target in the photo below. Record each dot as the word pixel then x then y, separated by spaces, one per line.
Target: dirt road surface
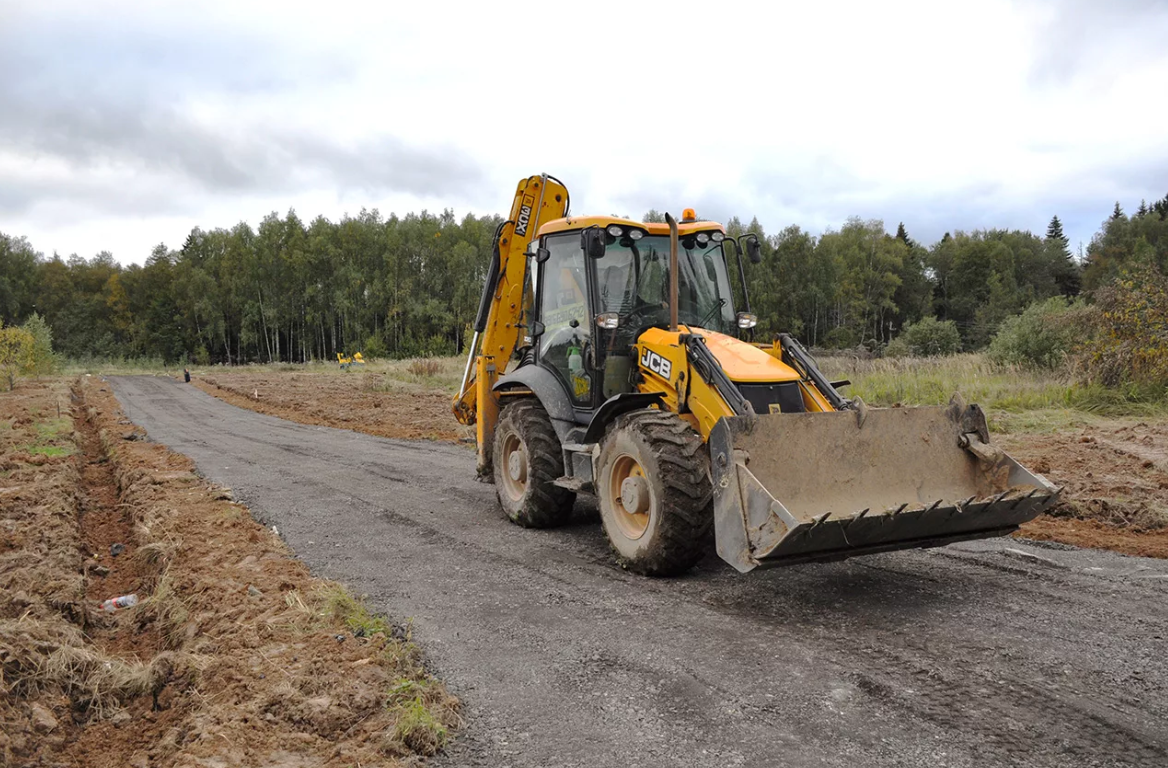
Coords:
pixel 986 653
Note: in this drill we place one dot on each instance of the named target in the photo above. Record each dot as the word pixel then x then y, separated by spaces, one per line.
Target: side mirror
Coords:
pixel 753 250
pixel 592 240
pixel 746 320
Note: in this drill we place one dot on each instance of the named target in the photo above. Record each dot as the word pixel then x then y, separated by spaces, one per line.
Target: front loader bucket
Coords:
pixel 798 487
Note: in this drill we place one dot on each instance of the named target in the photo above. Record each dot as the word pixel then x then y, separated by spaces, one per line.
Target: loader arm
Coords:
pixel 500 324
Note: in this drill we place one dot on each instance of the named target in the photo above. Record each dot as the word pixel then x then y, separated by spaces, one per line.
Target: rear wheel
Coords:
pixel 527 458
pixel 654 493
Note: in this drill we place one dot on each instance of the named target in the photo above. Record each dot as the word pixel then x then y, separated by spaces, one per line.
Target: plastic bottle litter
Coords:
pixel 114 603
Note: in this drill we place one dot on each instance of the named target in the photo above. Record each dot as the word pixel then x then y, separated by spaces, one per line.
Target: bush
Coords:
pixel 44 362
pixel 840 338
pixel 929 337
pixel 1130 344
pixel 898 347
pixel 1043 336
pixel 374 348
pixel 17 354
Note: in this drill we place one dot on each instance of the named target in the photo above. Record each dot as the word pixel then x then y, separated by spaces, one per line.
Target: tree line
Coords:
pixel 409 286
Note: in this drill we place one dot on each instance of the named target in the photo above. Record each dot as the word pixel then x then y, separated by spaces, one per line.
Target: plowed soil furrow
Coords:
pixel 105 529
pixel 985 653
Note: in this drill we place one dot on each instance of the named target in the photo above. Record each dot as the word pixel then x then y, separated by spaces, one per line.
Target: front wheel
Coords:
pixel 527 459
pixel 654 493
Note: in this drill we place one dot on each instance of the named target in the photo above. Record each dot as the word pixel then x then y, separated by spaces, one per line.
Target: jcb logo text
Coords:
pixel 524 220
pixel 657 364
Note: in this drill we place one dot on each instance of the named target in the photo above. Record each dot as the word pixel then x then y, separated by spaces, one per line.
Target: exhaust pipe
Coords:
pixel 673 289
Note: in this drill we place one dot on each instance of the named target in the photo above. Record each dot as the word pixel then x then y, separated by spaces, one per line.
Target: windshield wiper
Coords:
pixel 709 315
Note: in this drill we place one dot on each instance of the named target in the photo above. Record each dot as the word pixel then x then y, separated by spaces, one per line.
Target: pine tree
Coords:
pixel 1118 212
pixel 902 234
pixel 1063 266
pixel 1054 231
pixel 1143 209
pixel 1161 207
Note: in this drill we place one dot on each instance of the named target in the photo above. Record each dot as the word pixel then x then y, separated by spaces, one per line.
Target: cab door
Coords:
pixel 565 312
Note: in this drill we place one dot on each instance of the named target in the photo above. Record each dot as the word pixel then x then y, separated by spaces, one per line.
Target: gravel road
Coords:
pixel 978 654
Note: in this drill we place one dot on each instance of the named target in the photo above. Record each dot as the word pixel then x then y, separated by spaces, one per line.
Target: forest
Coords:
pixel 409 286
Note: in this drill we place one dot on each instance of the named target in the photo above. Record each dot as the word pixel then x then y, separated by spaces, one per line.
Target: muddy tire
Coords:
pixel 654 493
pixel 527 458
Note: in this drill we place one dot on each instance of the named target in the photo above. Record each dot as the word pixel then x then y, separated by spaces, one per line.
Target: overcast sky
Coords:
pixel 121 127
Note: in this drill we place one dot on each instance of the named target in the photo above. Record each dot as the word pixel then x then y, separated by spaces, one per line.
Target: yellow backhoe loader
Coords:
pixel 605 360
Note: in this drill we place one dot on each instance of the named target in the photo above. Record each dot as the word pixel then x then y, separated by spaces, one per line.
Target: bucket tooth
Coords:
pixel 1021 499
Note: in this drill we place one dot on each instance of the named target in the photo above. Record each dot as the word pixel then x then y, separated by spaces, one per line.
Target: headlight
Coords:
pixel 608 320
pixel 717 237
pixel 636 234
pixel 615 231
pixel 747 320
pixel 703 238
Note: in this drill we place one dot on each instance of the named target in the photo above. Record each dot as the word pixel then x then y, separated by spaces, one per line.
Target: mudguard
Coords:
pixel 548 390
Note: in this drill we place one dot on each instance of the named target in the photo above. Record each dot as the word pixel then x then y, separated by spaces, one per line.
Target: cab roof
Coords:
pixel 571 223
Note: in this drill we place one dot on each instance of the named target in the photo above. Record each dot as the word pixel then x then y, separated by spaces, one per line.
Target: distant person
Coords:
pixel 187 375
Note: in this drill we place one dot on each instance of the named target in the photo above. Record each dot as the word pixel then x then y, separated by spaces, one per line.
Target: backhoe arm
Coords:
pixel 538 199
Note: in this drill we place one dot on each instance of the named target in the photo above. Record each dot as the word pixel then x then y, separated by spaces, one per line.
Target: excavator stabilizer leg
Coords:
pixel 800 487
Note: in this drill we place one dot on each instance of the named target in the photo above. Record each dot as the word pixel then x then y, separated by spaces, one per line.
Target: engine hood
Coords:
pixel 745 362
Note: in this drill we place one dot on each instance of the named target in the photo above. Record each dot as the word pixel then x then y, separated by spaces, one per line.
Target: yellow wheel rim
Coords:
pixel 514 460
pixel 630 495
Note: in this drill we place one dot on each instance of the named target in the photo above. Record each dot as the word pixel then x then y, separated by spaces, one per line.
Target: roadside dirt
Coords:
pixel 234 655
pixel 1116 486
pixel 358 400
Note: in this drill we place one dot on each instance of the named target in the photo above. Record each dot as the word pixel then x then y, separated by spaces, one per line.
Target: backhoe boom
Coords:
pixel 500 318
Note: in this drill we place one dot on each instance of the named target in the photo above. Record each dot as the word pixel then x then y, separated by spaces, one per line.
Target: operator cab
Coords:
pixel 597 283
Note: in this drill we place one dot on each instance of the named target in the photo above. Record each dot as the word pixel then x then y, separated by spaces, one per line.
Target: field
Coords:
pixel 1108 448
pixel 1019 651
pixel 234 653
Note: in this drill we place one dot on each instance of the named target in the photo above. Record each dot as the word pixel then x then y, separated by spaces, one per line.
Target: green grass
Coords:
pixel 338 603
pixel 396 375
pixel 1016 399
pixel 46 450
pixel 52 436
pixel 54 428
pixel 113 366
pixel 383 375
pixel 417 728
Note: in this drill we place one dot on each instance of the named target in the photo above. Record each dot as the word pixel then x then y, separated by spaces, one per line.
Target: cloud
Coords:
pixel 126 118
pixel 1077 39
pixel 148 106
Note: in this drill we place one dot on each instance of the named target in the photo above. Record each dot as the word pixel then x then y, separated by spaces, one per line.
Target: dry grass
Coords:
pixel 1016 398
pixel 166 612
pixel 54 658
pixel 424 366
